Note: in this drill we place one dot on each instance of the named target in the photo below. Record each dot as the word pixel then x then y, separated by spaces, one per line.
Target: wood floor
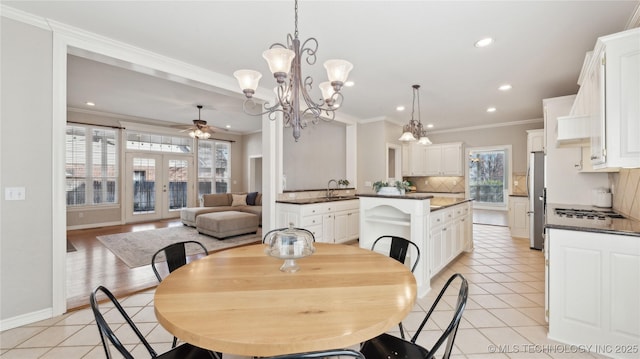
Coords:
pixel 92 264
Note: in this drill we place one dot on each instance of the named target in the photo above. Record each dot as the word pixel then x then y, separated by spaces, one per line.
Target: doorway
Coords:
pixel 488 177
pixel 156 186
pixel 255 174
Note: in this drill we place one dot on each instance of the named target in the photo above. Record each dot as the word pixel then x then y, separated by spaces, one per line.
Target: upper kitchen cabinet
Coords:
pixel 413 159
pixel 613 84
pixel 444 160
pixel 535 141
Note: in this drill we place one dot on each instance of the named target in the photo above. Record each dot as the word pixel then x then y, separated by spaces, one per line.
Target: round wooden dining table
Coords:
pixel 237 301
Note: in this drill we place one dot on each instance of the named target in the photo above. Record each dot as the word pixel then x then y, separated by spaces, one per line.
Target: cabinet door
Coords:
pixel 418 159
pixel 449 239
pixel 596 112
pixel 353 225
pixel 437 250
pixel 406 160
pixel 461 234
pixel 451 162
pixel 340 227
pixel 328 224
pixel 433 160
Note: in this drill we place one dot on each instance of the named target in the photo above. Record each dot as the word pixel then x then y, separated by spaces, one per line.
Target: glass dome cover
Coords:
pixel 289 244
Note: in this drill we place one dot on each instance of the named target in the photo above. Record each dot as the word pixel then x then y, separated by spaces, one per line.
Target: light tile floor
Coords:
pixel 504 317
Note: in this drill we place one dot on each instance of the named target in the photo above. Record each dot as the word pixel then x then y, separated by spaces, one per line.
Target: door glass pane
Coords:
pixel 144 182
pixel 178 177
pixel 487 176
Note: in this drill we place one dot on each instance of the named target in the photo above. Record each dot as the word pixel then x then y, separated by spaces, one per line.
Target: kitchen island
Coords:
pixel 440 227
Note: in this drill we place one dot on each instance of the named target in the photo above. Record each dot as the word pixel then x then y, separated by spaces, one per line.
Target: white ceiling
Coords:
pixel 539 49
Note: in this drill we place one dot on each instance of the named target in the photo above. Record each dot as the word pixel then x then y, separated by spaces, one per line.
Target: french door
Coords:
pixel 488 177
pixel 157 186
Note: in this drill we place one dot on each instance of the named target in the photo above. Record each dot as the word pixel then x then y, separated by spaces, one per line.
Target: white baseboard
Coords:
pixel 94 225
pixel 25 319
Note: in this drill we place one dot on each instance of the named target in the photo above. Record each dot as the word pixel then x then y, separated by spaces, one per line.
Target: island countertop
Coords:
pixel 414 196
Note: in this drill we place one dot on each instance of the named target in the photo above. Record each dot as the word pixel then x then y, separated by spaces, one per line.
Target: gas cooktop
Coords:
pixel 586 213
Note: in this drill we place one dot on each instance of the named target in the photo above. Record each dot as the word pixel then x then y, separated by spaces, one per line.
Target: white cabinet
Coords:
pixel 593 289
pixel 518 216
pixel 450 235
pixel 330 222
pixel 444 160
pixel 535 141
pixel 413 159
pixel 613 84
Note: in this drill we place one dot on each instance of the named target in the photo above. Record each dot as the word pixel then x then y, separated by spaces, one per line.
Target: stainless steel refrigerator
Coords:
pixel 537 199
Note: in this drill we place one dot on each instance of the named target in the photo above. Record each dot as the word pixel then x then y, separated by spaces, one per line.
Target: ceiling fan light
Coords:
pixel 279 59
pixel 407 137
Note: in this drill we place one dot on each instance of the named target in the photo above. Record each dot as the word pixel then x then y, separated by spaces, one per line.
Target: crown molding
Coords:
pixel 25 17
pixel 492 125
pixel 634 20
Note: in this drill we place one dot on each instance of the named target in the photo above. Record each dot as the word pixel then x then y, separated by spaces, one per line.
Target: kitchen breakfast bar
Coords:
pixel 440 227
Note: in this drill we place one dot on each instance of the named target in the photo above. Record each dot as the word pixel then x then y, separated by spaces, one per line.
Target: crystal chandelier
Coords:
pixel 414 131
pixel 292 92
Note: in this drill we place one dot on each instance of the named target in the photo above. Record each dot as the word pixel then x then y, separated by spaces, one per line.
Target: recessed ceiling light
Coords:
pixel 505 87
pixel 430 125
pixel 349 83
pixel 491 109
pixel 484 42
pixel 89 103
pixel 228 126
pixel 400 108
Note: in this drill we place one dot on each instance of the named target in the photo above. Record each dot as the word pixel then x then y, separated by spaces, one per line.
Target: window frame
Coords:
pixel 108 173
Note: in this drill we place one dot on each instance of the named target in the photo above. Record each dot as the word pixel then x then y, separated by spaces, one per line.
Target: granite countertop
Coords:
pixel 411 195
pixel 316 200
pixel 623 226
pixel 438 203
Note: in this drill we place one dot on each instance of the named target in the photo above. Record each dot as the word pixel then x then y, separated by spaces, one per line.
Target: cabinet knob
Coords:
pixel 444 228
pixel 438 220
pixel 594 157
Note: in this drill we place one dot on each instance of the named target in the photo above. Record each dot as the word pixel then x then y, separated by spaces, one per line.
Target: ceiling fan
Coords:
pixel 200 129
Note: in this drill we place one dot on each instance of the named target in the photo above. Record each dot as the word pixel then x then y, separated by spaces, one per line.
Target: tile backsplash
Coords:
pixel 438 184
pixel 519 184
pixel 626 192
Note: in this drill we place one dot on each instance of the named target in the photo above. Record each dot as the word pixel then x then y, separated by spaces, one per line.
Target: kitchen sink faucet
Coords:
pixel 330 190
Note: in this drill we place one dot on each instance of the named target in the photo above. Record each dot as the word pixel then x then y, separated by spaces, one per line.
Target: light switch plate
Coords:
pixel 14 193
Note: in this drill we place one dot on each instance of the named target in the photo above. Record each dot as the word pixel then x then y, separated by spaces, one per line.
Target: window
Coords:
pixel 214 172
pixel 91 165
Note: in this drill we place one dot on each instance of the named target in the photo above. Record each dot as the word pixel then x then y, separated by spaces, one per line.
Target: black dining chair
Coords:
pixel 387 346
pixel 398 249
pixel 108 337
pixel 176 257
pixel 321 354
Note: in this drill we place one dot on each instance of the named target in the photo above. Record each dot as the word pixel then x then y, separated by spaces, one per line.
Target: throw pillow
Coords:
pixel 239 200
pixel 251 198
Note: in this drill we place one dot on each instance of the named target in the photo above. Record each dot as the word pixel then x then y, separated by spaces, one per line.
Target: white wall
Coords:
pixel 317 157
pixel 26 226
pixel 372 153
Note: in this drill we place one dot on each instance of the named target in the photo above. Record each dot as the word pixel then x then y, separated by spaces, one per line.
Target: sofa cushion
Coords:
pixel 239 200
pixel 259 199
pixel 251 198
pixel 216 199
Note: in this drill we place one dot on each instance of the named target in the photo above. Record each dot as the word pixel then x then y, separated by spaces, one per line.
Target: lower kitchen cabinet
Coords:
pixel 593 288
pixel 451 233
pixel 330 222
pixel 519 216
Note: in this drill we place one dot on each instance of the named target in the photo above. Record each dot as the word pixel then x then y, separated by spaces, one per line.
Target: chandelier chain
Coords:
pixel 295 32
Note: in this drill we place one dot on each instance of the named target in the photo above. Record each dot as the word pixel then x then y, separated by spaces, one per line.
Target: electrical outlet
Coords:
pixel 14 193
pixel 292 195
pixel 426 182
pixel 367 184
pixel 515 183
pixel 455 182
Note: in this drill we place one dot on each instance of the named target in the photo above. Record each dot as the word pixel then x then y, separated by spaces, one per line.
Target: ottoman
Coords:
pixel 226 224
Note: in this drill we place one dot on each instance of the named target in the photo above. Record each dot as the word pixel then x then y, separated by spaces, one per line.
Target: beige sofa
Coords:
pixel 220 202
